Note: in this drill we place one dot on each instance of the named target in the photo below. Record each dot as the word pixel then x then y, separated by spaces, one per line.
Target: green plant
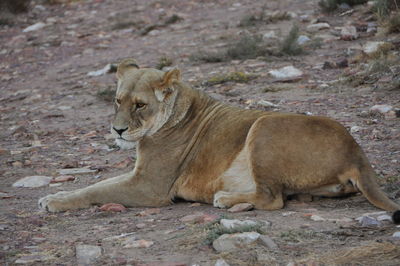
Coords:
pixel 247 47
pixel 239 77
pixel 289 45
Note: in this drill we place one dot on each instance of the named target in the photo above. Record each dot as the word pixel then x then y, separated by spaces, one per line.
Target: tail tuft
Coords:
pixel 396 217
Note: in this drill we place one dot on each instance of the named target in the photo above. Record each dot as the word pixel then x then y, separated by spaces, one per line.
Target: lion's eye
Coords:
pixel 140 105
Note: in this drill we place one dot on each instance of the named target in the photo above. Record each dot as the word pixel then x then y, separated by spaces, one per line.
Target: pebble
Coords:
pixel 318 26
pixel 107 69
pixel 62 178
pixel 367 221
pixel 269 35
pixel 33 181
pixel 373 47
pixel 384 217
pixel 267 241
pixel 266 104
pixel 87 254
pixel 141 225
pixel 113 207
pixel 317 218
pixel 302 39
pixel 241 207
pixel 228 242
pixel 234 223
pixel 348 33
pixel 221 262
pixel 355 129
pixel 396 234
pixel 34 27
pixel 381 108
pixel 150 211
pixel 198 217
pixel 286 72
pixel 31 259
pixel 76 171
pixel 142 243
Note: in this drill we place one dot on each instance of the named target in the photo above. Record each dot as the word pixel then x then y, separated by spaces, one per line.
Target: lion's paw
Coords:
pixel 221 199
pixel 54 202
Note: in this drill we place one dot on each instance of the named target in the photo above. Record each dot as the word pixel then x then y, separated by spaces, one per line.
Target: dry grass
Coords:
pixel 332 5
pixel 289 45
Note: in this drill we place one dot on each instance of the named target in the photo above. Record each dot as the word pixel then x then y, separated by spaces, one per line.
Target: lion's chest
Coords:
pixel 202 185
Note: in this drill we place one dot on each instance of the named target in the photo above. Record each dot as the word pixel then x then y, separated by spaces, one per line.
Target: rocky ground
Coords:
pixel 56 112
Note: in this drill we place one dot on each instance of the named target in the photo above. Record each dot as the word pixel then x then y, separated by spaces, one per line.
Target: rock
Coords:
pixel 302 39
pixel 318 26
pixel 396 234
pixel 113 207
pixel 36 26
pixel 234 223
pixel 317 218
pixel 221 262
pixel 107 69
pixel 150 211
pixel 286 73
pixel 228 242
pixel 76 171
pixel 381 108
pixel 355 129
pixel 266 104
pixel 384 217
pixel 304 18
pixel 267 241
pixel 4 195
pixel 241 207
pixel 367 221
pixel 269 35
pixel 372 47
pixel 140 225
pixel 139 244
pixel 33 181
pixel 198 217
pixel 31 259
pixel 348 33
pixel 87 254
pixel 62 178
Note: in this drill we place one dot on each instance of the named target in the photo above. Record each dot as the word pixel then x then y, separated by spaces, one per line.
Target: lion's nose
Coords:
pixel 120 131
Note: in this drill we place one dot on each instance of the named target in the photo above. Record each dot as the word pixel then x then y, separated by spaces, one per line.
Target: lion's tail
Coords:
pixel 370 189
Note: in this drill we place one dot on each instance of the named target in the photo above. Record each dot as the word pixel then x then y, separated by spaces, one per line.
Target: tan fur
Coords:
pixel 196 148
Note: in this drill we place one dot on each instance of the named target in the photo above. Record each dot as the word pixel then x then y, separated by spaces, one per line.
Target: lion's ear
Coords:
pixel 171 76
pixel 166 87
pixel 125 65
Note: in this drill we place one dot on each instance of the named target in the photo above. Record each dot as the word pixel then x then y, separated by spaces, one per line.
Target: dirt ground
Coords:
pixel 54 116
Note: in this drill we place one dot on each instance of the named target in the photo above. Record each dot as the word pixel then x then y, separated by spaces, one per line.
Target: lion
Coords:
pixel 193 147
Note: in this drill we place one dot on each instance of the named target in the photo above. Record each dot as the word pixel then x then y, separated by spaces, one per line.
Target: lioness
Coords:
pixel 193 147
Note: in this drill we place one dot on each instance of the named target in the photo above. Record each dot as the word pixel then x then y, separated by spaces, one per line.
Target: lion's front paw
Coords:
pixel 221 199
pixel 56 202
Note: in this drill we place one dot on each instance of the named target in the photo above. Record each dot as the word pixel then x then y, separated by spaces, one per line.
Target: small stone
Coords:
pixel 355 129
pixel 269 35
pixel 266 104
pixel 34 27
pixel 76 171
pixel 198 217
pixel 228 242
pixel 396 234
pixel 241 207
pixel 234 223
pixel 113 207
pixel 318 26
pixel 288 72
pixel 221 262
pixel 87 254
pixel 107 69
pixel 31 259
pixel 142 243
pixel 4 195
pixel 33 181
pixel 196 204
pixel 140 226
pixel 303 39
pixel 384 217
pixel 348 33
pixel 62 178
pixel 150 211
pixel 367 221
pixel 381 108
pixel 267 241
pixel 316 218
pixel 285 214
pixel 373 47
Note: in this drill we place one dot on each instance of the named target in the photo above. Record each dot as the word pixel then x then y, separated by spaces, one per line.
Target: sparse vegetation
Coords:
pixel 164 62
pixel 249 20
pixel 296 236
pixel 393 24
pixel 239 77
pixel 332 5
pixel 15 6
pixel 289 45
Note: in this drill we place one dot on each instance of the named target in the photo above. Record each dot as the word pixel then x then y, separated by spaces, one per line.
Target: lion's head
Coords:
pixel 144 101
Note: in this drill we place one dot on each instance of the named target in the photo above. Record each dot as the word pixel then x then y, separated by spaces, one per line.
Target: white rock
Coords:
pixel 396 234
pixel 36 26
pixel 381 108
pixel 286 72
pixel 318 26
pixel 76 171
pixel 302 39
pixel 368 221
pixel 100 72
pixel 355 129
pixel 87 254
pixel 372 47
pixel 231 224
pixel 267 241
pixel 317 218
pixel 221 262
pixel 349 33
pixel 231 242
pixel 267 103
pixel 269 35
pixel 384 217
pixel 33 181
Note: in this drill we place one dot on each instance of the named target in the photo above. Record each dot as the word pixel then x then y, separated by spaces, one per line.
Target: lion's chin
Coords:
pixel 124 144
